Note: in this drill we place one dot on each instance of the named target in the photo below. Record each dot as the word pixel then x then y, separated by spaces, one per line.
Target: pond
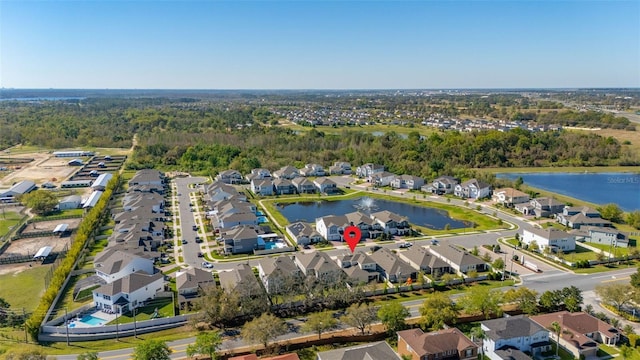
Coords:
pixel 599 188
pixel 431 218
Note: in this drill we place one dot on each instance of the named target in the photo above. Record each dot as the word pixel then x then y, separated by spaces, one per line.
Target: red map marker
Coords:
pixel 352 236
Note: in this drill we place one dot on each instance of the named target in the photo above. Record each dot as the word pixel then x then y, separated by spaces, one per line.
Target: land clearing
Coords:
pixel 29 246
pixel 41 226
pixel 43 168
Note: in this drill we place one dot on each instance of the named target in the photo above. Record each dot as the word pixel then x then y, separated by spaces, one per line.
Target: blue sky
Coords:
pixel 319 44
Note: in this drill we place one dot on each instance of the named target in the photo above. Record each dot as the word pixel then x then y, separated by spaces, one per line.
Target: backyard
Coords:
pixel 8 219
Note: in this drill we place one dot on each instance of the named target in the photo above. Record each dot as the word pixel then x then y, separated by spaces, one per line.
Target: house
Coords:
pixel 70 202
pixel 580 332
pixel 312 170
pixel 472 189
pixel 279 274
pixel 303 233
pixel 553 238
pixel 605 236
pixel 442 185
pixel 422 260
pixel 262 187
pixel 391 223
pixel 21 188
pixel 303 185
pixel 112 264
pixel 340 168
pixel 443 344
pixel 381 179
pixel 241 239
pixel 575 217
pixel 325 185
pixel 373 351
pixel 366 170
pixel 410 182
pixel 331 227
pixel 102 181
pixel 240 278
pixel 283 187
pixel 546 206
pixel 218 191
pixel 230 177
pixel 517 332
pixel 129 292
pixel 147 177
pixel 459 259
pixel 392 268
pixel 231 219
pixel 192 281
pixel 369 228
pixel 509 197
pixel 359 267
pixel 286 172
pixel 258 174
pixel 320 265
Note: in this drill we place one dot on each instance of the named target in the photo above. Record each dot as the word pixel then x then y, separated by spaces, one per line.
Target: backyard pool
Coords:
pixel 268 245
pixel 92 320
pixel 262 219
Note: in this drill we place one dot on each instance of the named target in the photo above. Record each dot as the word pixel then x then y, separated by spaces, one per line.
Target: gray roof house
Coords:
pixel 286 172
pixel 459 259
pixel 358 266
pixel 411 182
pixel 128 292
pixel 340 168
pixel 242 239
pixel 391 223
pixel 605 235
pixel 441 185
pixel 190 281
pixel 325 185
pixel 425 261
pixel 278 274
pixel 263 187
pixel 304 185
pixel 546 206
pixel 391 267
pixel 303 233
pixel 368 169
pixel 240 277
pixel 517 332
pixel 320 265
pixel 472 189
pixel 283 187
pixel 147 177
pixel 230 177
pixel 373 351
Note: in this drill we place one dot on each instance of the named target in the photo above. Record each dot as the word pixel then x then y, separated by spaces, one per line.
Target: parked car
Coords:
pixel 207 265
pixel 195 227
pixel 198 240
pixel 184 241
pixel 405 245
pixel 200 254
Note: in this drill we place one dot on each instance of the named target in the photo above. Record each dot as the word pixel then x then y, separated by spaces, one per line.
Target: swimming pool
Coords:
pixel 262 219
pixel 92 320
pixel 259 213
pixel 273 245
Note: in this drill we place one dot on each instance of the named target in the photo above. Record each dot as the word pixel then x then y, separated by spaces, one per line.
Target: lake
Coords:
pixel 420 216
pixel 599 188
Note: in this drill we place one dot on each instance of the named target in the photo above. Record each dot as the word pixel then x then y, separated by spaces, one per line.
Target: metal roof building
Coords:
pixel 92 200
pixel 18 189
pixel 102 181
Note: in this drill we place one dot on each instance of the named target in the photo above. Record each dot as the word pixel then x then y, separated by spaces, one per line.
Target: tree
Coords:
pixel 40 201
pixel 518 183
pixel 611 212
pixel 89 355
pixel 477 333
pixel 393 316
pixel 437 310
pixel 320 322
pixel 617 295
pixel 551 299
pixel 28 355
pixel 498 264
pixel 626 351
pixel 152 349
pixel 207 343
pixel 572 298
pixel 481 300
pixel 217 306
pixel 633 219
pixel 263 329
pixel 635 279
pixel 360 316
pixel 556 328
pixel 525 298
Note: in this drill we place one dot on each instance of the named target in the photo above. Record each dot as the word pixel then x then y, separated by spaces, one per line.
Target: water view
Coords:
pixel 599 188
pixel 421 216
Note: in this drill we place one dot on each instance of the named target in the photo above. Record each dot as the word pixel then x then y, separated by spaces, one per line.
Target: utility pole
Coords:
pixel 117 334
pixel 66 324
pixel 135 330
pixel 513 253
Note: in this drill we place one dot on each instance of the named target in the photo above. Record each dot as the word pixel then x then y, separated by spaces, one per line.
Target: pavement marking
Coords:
pixel 616 279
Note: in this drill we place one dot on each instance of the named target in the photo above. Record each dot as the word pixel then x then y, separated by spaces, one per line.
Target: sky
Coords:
pixel 328 44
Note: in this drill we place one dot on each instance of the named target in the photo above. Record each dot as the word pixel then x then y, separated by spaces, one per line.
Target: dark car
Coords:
pixel 198 239
pixel 200 254
pixel 184 241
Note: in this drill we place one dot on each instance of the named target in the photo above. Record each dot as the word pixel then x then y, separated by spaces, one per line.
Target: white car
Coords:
pixel 207 265
pixel 406 245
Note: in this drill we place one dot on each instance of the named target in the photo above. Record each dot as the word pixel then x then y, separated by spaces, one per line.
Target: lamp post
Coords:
pixel 135 329
pixel 66 324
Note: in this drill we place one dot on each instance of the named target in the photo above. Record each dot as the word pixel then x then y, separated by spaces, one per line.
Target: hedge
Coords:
pixel 90 222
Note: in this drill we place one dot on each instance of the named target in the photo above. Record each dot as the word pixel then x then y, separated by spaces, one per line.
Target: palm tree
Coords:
pixel 477 333
pixel 556 329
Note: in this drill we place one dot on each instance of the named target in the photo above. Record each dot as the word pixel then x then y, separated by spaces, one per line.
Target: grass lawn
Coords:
pixel 8 219
pixel 24 288
pixel 164 306
pixel 617 251
pixel 581 253
pixel 98 246
pixel 68 212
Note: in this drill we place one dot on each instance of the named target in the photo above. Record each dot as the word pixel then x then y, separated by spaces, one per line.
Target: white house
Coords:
pixel 331 227
pixel 472 189
pixel 340 168
pixel 229 177
pixel 312 170
pixel 325 185
pixel 303 233
pixel 368 169
pixel 127 293
pixel 553 238
pixel 382 178
pixel 286 172
pixel 112 264
pixel 407 182
pixel 518 332
pixel 263 187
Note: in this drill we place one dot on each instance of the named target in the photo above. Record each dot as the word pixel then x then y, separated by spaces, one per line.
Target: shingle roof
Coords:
pixel 436 342
pixel 511 327
pixel 241 274
pixel 550 233
pixel 391 263
pixel 457 256
pixel 374 351
pixel 128 284
pixel 193 278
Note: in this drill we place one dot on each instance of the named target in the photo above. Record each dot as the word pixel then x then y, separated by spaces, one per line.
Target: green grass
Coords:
pixel 69 212
pixel 617 251
pixel 580 253
pixel 8 219
pixel 98 246
pixel 24 288
pixel 164 306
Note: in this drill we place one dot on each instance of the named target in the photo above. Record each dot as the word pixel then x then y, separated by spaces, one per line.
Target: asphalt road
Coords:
pixel 187 220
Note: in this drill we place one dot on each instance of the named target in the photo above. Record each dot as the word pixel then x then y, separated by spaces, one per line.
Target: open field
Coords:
pixel 8 219
pixel 22 284
pixel 29 246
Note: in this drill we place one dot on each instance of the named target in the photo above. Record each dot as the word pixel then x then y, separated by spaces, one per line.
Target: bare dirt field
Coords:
pixel 44 168
pixel 17 268
pixel 29 246
pixel 50 225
